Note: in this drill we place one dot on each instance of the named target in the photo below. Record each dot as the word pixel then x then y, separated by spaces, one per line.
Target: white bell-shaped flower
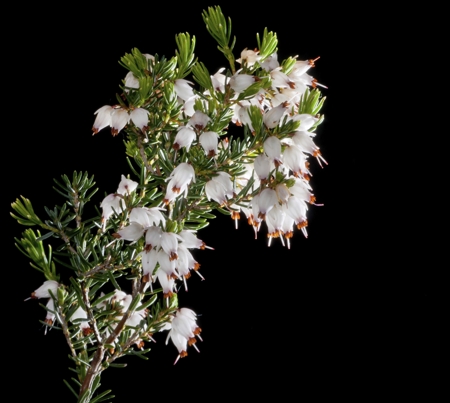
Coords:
pixel 184 138
pixel 240 82
pixel 43 290
pixel 131 81
pixel 263 166
pixel 273 116
pixel 126 186
pixel 139 117
pixel 249 57
pixel 103 118
pixel 119 119
pixel 179 179
pixel 183 88
pixel 272 148
pixel 209 141
pixel 199 120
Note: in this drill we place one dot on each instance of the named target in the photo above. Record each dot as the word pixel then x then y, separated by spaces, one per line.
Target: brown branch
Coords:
pixel 98 268
pixel 95 367
pixel 92 320
pixel 65 238
pixel 65 329
pixel 143 155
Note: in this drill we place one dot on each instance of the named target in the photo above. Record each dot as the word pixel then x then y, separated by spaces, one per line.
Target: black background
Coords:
pixel 347 312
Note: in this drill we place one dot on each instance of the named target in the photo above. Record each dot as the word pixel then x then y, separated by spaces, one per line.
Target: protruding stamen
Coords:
pixel 311 61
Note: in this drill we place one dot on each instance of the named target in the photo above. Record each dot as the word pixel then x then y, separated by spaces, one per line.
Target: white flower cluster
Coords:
pixel 46 290
pixel 166 251
pixel 183 331
pixel 278 166
pixel 165 256
pixel 281 207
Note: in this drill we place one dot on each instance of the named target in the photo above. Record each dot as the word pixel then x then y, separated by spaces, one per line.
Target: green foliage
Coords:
pixel 220 30
pixel 311 103
pixel 25 214
pixel 185 54
pixel 202 76
pixel 32 246
pixel 268 45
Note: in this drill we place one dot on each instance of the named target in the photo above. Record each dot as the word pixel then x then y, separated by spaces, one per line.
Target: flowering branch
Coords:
pixel 185 167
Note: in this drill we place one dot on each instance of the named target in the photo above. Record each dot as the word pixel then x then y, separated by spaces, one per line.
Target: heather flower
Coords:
pixel 44 290
pixel 103 118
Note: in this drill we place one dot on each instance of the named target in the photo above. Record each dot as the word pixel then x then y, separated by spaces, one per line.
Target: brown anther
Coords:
pixel 314 83
pixel 173 276
pixel 116 235
pixel 168 294
pixel 291 84
pixel 288 234
pixel 256 78
pixel 211 153
pixel 238 123
pixel 140 344
pixel 176 146
pixel 87 331
pixel 302 224
pixel 312 199
pixel 197 331
pixel 306 177
pixel 203 246
pixel 111 351
pixel 235 215
pixel 146 278
pixel 114 132
pixel 191 341
pixel 311 61
pixel 316 153
pixel 307 164
pixel 173 256
pixel 176 190
pixel 94 130
pixel 183 354
pixel 196 266
pixel 48 322
pixel 148 247
pixel 262 216
pixel 33 295
pixel 187 275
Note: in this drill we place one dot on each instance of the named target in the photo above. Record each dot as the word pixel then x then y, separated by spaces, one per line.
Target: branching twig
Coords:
pixel 98 268
pixel 65 329
pixel 92 320
pixel 143 155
